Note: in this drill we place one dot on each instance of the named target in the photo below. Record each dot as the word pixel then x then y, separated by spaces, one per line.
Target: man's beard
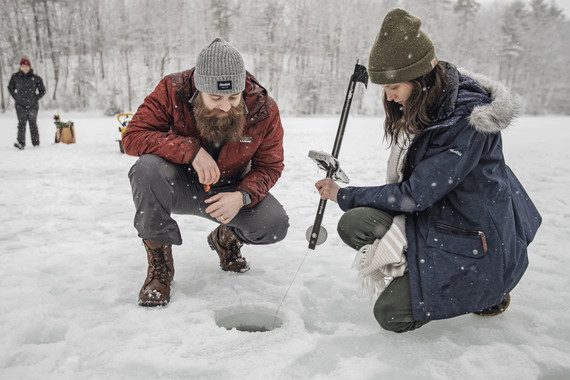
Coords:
pixel 217 126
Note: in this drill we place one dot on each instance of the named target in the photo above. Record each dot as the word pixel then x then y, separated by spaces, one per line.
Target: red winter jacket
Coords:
pixel 164 125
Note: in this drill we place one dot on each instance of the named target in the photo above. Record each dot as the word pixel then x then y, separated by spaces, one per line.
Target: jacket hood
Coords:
pixel 500 112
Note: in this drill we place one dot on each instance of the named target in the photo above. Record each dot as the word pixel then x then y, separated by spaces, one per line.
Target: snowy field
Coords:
pixel 71 266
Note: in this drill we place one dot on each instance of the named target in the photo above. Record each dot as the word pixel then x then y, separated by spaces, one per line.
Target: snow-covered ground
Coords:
pixel 71 266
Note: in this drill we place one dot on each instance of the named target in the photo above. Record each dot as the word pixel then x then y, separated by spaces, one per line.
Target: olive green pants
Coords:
pixel 393 309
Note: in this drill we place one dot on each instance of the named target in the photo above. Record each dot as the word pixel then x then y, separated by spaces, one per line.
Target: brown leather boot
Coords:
pixel 223 241
pixel 156 288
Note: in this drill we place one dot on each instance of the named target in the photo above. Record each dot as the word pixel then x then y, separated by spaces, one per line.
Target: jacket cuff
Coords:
pixel 344 199
pixel 193 157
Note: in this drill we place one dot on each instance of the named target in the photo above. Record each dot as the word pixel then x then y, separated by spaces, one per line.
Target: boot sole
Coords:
pixel 494 313
pixel 211 243
pixel 148 304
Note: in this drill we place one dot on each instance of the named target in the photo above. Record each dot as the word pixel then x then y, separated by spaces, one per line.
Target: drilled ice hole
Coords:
pixel 248 318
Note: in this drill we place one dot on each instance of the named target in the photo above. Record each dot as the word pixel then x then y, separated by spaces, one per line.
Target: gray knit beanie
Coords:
pixel 219 69
pixel 401 51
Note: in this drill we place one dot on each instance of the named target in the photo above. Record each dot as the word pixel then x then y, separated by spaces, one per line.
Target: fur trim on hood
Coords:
pixel 497 115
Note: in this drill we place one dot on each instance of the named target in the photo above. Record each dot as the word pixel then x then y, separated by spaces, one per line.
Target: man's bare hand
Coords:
pixel 206 168
pixel 224 206
pixel 328 189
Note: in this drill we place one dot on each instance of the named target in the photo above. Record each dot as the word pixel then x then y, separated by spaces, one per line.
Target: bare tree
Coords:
pixel 53 54
pixel 514 29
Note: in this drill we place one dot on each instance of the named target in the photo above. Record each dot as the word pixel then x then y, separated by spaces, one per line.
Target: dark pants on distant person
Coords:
pixel 161 188
pixel 393 309
pixel 27 115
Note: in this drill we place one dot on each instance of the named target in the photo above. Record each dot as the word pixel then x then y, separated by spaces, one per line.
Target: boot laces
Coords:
pixel 235 254
pixel 159 266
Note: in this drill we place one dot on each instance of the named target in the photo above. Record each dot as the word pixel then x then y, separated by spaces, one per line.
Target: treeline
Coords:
pixel 109 54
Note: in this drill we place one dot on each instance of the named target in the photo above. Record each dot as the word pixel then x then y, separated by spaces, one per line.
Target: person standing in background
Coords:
pixel 27 89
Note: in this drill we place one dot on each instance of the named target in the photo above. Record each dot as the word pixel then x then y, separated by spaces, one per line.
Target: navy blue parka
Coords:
pixel 468 219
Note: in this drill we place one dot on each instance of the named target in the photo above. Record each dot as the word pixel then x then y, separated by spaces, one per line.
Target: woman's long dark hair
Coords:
pixel 419 108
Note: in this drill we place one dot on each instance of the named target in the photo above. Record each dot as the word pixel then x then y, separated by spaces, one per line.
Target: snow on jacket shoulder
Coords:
pixel 164 125
pixel 469 220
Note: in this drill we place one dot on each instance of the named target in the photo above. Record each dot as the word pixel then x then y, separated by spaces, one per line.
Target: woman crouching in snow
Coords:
pixel 448 234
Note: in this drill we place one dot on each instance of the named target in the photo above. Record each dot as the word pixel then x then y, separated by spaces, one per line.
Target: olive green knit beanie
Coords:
pixel 401 51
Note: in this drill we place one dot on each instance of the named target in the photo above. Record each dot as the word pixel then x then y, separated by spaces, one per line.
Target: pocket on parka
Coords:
pixel 459 260
pixel 469 243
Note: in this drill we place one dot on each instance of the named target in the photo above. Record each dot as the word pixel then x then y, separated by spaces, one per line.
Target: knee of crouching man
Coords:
pixel 281 228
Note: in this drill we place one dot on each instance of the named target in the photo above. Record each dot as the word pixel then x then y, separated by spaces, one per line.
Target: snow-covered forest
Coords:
pixel 109 54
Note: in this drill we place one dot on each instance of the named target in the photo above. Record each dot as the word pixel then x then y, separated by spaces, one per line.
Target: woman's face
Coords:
pixel 398 92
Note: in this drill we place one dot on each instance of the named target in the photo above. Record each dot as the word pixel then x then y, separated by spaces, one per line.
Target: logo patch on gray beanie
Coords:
pixel 224 85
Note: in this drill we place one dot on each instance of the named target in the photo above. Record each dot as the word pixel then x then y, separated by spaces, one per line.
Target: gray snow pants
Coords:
pixel 161 188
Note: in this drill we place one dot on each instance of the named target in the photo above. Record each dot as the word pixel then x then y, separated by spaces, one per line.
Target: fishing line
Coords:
pixel 291 284
pixel 317 234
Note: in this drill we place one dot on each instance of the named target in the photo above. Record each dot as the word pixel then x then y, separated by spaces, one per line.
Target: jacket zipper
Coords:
pixel 481 234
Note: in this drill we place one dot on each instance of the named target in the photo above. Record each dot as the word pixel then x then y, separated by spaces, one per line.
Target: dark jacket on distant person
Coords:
pixel 26 89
